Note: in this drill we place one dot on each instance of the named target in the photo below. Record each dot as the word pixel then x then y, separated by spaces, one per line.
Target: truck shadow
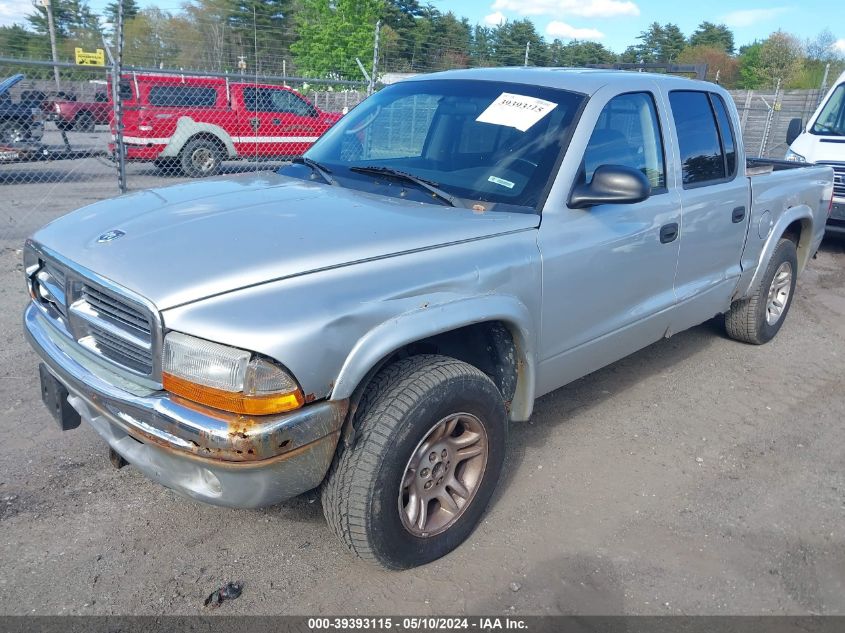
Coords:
pixel 556 409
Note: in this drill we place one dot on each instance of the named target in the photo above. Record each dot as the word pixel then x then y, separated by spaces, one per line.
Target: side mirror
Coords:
pixel 611 184
pixel 794 130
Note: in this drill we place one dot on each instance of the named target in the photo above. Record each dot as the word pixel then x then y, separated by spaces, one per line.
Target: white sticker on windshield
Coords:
pixel 501 181
pixel 516 111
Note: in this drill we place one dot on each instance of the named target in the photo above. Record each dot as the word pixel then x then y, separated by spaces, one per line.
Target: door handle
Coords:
pixel 738 215
pixel 276 121
pixel 668 233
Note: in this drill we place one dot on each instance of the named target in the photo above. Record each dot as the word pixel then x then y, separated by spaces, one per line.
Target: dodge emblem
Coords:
pixel 110 236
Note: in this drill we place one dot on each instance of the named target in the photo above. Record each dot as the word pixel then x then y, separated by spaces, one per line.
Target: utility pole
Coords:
pixel 51 26
pixel 117 72
pixel 372 85
pixel 527 49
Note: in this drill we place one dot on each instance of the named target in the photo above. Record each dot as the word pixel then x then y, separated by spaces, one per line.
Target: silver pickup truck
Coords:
pixel 371 318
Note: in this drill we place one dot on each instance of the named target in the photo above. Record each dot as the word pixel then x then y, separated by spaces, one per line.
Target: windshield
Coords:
pixel 482 143
pixel 831 120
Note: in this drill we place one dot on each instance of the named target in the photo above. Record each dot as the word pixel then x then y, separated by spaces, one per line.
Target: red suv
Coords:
pixel 191 124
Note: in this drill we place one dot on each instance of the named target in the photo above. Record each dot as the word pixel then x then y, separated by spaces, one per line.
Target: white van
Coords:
pixel 822 141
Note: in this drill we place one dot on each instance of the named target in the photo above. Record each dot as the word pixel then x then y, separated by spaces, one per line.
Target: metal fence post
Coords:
pixel 117 99
pixel 373 75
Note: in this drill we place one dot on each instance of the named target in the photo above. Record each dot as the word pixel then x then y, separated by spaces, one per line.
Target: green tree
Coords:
pixel 713 36
pixel 750 66
pixel 332 34
pixel 648 50
pixel 152 38
pixel 671 44
pixel 265 25
pixel 16 41
pixel 510 40
pixel 781 58
pixel 659 43
pixel 76 25
pixel 579 54
pixel 130 10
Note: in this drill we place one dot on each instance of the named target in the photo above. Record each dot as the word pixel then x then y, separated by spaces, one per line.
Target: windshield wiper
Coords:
pixel 323 171
pixel 428 185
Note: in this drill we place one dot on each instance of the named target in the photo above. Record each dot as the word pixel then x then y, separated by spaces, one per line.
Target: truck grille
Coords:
pixel 112 308
pixel 838 178
pixel 120 351
pixel 99 316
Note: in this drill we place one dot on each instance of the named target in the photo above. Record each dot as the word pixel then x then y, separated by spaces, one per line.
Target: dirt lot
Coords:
pixel 698 476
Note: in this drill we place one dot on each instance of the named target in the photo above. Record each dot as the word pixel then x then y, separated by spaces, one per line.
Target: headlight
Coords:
pixel 793 157
pixel 226 378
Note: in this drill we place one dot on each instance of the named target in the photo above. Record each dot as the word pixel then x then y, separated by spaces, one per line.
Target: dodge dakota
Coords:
pixel 371 319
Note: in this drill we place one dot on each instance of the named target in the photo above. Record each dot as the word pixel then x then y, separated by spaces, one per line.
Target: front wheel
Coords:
pixel 758 318
pixel 431 441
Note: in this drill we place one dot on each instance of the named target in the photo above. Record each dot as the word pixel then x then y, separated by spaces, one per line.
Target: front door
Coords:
pixel 608 270
pixel 279 123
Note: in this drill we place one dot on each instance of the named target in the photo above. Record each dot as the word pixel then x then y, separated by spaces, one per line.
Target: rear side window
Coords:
pixel 276 100
pixel 698 138
pixel 125 90
pixel 183 96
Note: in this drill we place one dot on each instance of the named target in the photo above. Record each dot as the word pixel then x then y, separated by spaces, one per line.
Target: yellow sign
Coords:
pixel 97 58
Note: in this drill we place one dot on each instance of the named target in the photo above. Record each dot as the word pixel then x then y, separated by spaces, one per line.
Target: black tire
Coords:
pixel 64 126
pixel 200 157
pixel 85 122
pixel 404 402
pixel 746 321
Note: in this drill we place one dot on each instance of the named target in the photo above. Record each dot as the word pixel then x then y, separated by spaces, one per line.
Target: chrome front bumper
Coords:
pixel 218 458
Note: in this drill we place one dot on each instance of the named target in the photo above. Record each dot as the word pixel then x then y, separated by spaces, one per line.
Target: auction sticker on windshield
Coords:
pixel 516 111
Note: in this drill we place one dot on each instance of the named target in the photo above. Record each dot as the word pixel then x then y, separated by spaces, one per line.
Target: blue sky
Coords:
pixel 615 23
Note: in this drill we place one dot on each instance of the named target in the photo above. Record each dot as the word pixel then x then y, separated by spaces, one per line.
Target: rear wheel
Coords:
pixel 758 318
pixel 200 157
pixel 64 126
pixel 85 122
pixel 431 439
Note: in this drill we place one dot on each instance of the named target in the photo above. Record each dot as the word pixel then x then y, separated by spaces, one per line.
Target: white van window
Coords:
pixel 831 120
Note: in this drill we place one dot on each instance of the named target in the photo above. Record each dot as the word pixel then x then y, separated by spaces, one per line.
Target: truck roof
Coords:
pixel 583 80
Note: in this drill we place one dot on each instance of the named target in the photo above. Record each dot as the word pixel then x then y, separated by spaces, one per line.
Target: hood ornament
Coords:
pixel 110 236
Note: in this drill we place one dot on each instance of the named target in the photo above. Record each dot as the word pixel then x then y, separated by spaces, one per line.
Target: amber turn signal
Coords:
pixel 234 402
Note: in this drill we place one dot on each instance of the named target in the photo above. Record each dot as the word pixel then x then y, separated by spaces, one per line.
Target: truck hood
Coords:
pixel 183 243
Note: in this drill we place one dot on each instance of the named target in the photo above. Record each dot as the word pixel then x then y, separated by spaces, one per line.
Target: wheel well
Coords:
pixel 799 232
pixel 489 346
pixel 82 113
pixel 207 136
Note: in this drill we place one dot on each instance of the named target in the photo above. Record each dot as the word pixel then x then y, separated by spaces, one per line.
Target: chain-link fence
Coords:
pixel 58 140
pixel 192 125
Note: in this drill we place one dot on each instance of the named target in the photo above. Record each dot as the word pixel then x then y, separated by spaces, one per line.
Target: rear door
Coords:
pixel 279 123
pixel 715 205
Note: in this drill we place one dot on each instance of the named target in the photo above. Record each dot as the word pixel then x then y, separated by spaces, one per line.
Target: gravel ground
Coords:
pixel 698 476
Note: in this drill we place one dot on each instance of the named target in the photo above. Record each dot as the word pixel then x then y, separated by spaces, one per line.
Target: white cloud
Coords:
pixel 557 28
pixel 749 17
pixel 582 8
pixel 494 19
pixel 14 12
pixel 840 45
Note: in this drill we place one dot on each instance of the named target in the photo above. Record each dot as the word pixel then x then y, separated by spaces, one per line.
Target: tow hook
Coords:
pixel 116 459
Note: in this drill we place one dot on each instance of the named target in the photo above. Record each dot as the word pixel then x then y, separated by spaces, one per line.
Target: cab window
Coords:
pixel 628 133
